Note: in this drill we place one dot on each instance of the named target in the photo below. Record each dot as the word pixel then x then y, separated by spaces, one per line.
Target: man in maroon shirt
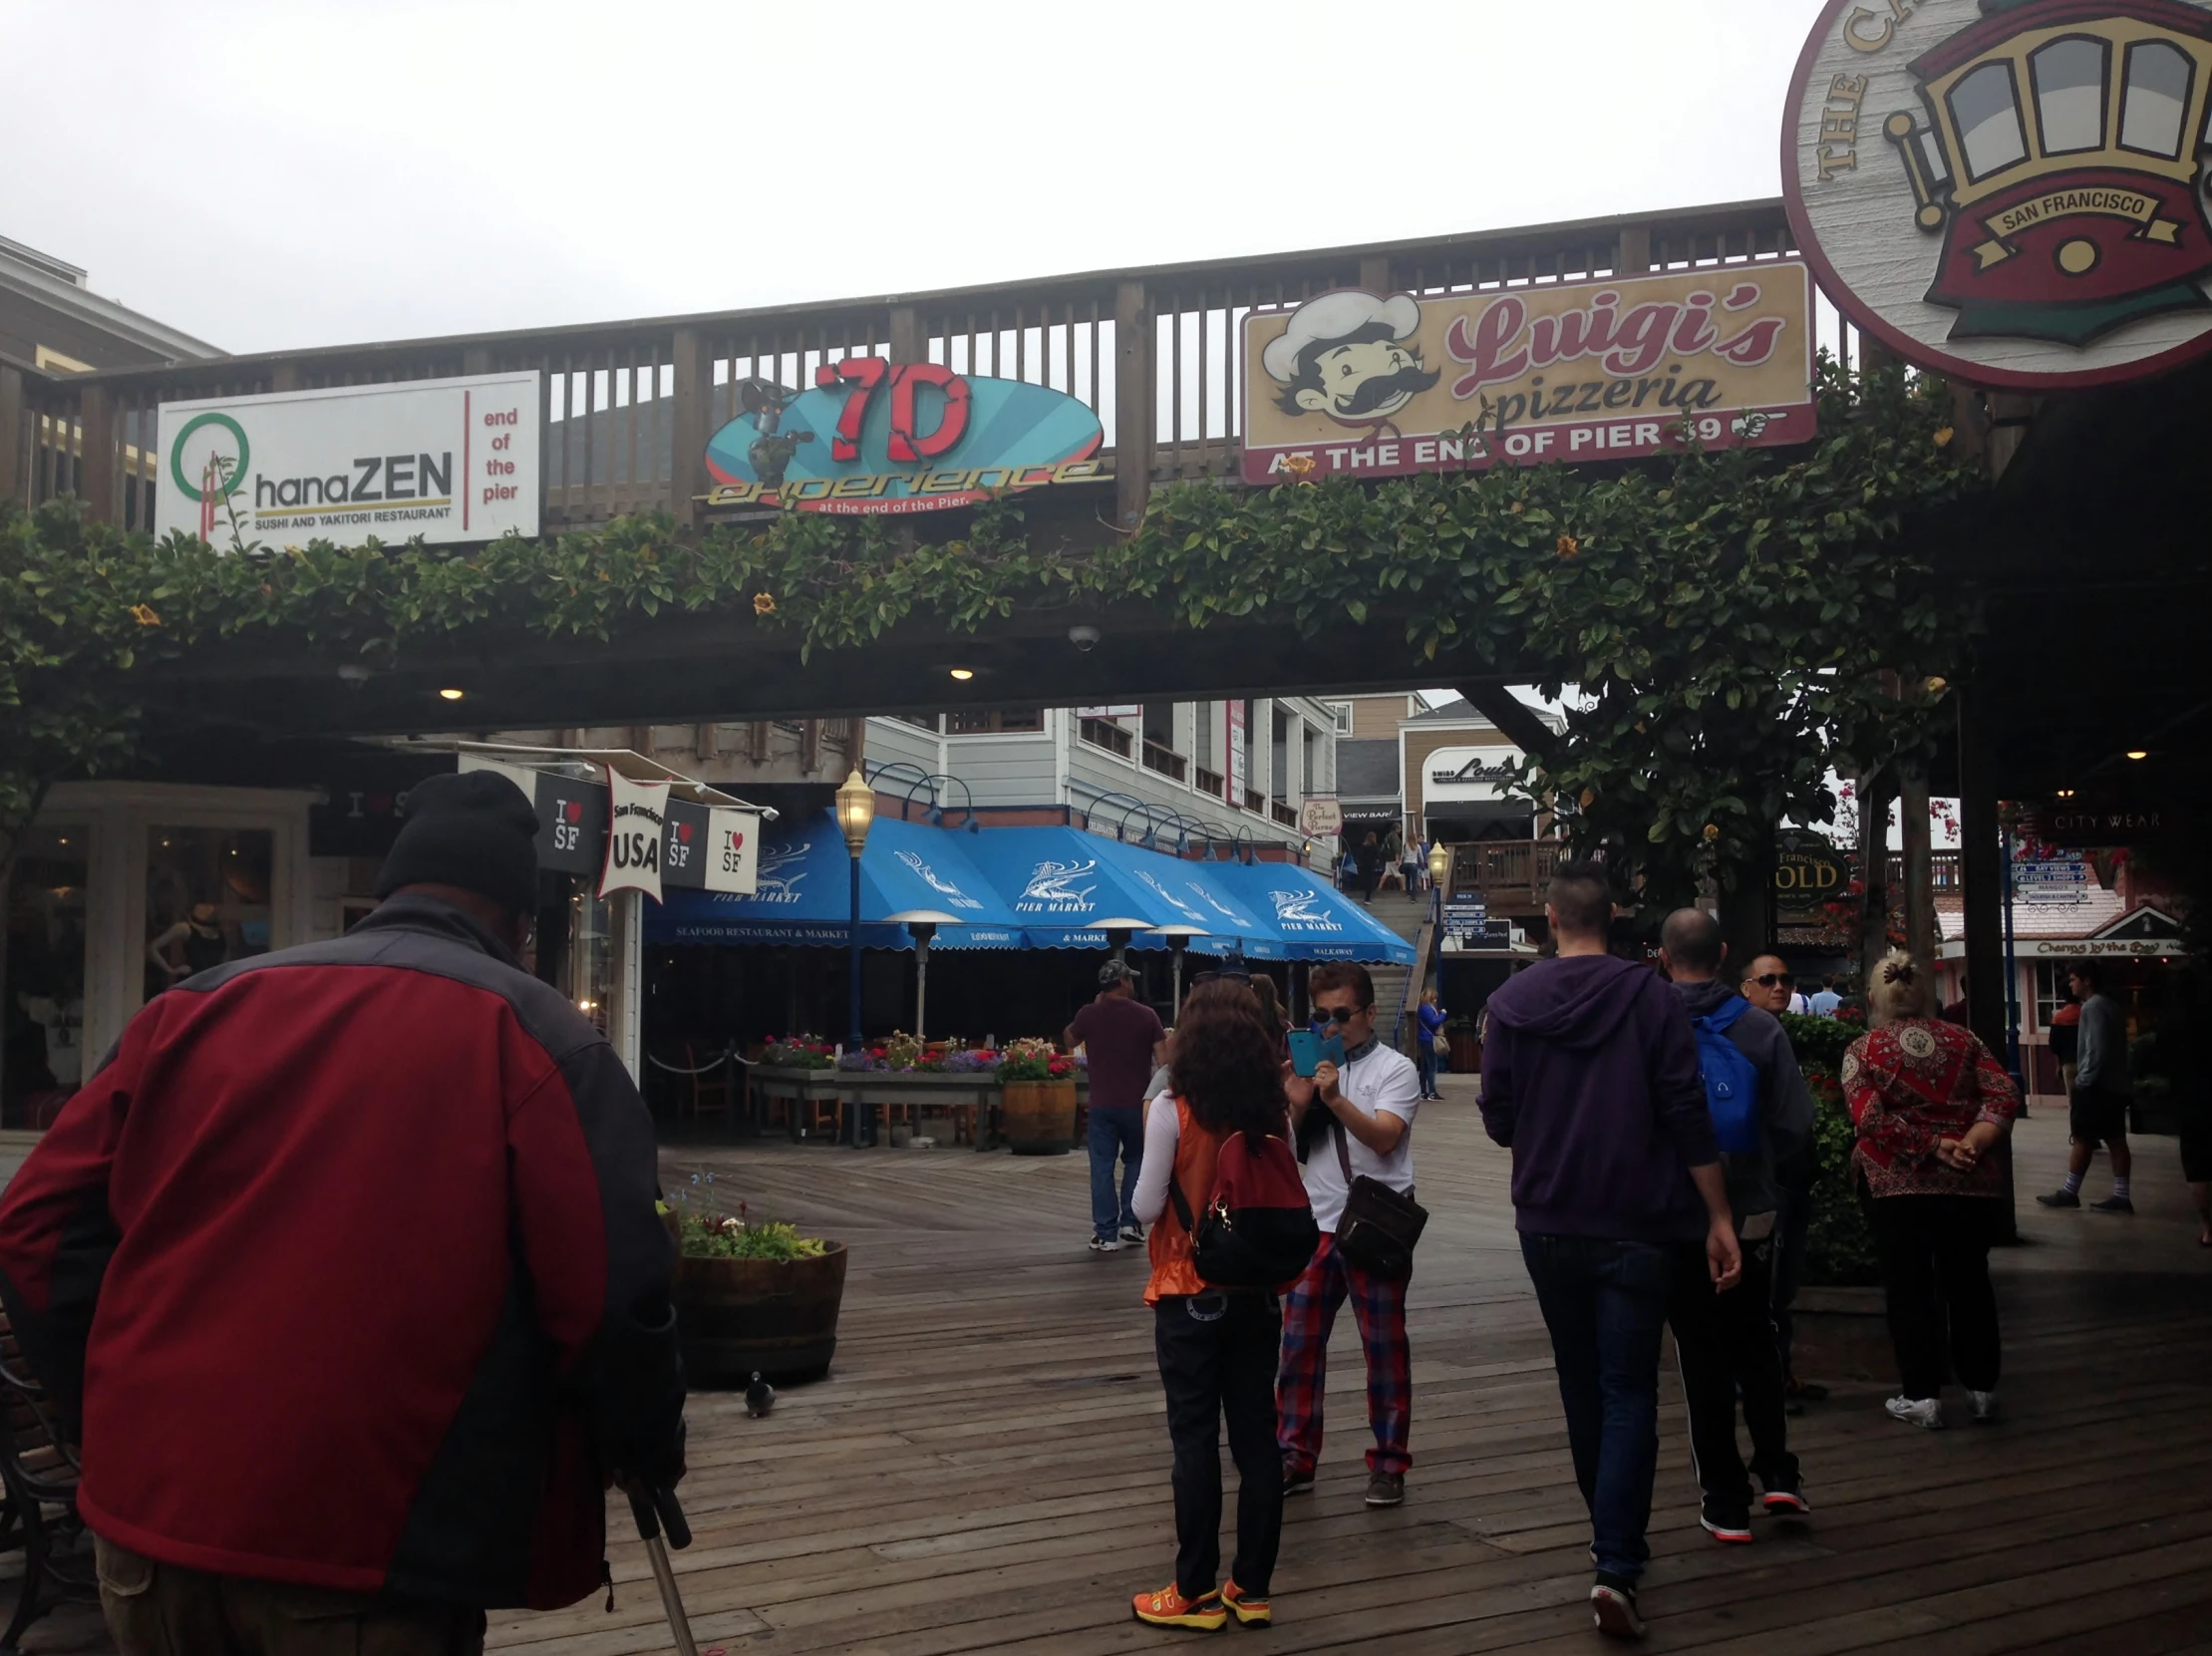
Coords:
pixel 1124 1041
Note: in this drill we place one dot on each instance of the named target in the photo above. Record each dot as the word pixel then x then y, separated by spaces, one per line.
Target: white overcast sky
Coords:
pixel 272 173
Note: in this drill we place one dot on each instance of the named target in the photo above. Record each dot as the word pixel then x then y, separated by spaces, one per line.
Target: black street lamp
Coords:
pixel 855 813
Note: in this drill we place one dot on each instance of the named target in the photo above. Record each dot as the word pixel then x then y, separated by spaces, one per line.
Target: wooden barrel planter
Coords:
pixel 776 1317
pixel 1037 1118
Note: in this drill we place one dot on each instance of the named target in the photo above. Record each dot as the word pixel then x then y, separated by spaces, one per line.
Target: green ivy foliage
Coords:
pixel 1725 612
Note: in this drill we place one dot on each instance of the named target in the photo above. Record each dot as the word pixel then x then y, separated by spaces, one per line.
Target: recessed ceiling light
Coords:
pixel 450 694
pixel 2138 753
pixel 963 674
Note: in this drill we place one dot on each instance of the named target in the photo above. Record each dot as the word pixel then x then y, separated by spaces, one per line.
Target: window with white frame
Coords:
pixel 2051 991
pixel 1342 713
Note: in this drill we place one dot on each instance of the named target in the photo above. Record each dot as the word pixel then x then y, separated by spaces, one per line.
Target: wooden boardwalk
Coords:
pixel 986 1470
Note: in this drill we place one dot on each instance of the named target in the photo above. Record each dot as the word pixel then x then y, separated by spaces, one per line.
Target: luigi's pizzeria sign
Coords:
pixel 2009 190
pixel 1382 385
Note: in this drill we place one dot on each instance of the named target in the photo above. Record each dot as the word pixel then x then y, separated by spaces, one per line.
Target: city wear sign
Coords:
pixel 1382 385
pixel 2009 190
pixel 445 459
pixel 876 436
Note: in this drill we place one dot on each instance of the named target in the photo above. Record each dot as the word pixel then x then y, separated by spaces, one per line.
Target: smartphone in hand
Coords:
pixel 1308 1049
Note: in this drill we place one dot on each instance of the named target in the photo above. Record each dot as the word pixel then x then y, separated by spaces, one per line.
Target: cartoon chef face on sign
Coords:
pixel 1351 356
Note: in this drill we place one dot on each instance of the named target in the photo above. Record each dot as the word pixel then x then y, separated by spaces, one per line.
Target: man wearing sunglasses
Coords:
pixel 1772 987
pixel 1368 1103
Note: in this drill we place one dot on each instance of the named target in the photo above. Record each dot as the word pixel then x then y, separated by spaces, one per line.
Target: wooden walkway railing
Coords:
pixel 628 406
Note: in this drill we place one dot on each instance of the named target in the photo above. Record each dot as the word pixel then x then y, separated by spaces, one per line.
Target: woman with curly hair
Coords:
pixel 1930 1101
pixel 1216 1347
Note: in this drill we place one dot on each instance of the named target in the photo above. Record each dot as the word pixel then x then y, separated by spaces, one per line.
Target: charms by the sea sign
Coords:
pixel 872 435
pixel 2010 191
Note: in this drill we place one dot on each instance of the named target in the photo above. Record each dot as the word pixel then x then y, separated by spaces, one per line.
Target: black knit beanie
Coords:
pixel 470 829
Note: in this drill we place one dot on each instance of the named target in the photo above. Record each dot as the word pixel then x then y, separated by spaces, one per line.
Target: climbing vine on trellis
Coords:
pixel 1724 612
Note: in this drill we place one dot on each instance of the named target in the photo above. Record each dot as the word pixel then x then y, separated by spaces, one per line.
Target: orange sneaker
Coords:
pixel 1250 1611
pixel 1168 1608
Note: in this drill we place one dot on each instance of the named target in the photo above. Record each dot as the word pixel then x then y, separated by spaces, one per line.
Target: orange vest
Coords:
pixel 1197 1148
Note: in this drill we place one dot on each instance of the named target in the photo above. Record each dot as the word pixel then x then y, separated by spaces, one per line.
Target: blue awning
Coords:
pixel 804 893
pixel 1194 897
pixel 1062 884
pixel 1314 919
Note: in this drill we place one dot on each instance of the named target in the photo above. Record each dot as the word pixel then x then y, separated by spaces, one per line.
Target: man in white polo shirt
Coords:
pixel 1359 1113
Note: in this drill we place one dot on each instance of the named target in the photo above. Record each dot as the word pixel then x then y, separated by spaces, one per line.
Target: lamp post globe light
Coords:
pixel 855 813
pixel 1439 868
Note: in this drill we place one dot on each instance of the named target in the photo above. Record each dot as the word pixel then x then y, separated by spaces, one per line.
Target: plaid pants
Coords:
pixel 1309 1312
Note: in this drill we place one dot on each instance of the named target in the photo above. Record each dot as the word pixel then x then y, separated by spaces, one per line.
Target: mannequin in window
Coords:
pixel 201 939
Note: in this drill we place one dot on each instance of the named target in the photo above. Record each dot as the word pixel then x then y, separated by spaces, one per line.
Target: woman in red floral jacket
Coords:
pixel 1930 1103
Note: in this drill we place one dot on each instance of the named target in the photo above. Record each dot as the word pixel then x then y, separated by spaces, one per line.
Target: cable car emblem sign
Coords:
pixel 2010 191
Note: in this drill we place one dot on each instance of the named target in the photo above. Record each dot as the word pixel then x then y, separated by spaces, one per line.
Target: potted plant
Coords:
pixel 753 1298
pixel 1037 1098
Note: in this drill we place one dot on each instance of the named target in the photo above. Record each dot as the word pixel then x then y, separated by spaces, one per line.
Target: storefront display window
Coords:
pixel 206 899
pixel 590 979
pixel 42 974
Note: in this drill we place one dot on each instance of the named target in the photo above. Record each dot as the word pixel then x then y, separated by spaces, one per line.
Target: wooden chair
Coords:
pixel 39 1469
pixel 713 1090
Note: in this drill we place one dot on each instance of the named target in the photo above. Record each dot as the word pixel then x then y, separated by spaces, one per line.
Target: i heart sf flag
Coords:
pixel 637 815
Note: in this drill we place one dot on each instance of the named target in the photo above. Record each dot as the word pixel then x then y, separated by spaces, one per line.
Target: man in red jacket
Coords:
pixel 346 1260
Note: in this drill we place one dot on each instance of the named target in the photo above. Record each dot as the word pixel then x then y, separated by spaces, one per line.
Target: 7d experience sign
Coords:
pixel 443 460
pixel 1382 385
pixel 876 436
pixel 2010 191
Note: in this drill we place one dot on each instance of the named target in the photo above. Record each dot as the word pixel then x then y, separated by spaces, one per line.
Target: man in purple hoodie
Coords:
pixel 1590 1076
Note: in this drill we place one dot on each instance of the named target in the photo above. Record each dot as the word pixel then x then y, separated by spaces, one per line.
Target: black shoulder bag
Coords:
pixel 1381 1226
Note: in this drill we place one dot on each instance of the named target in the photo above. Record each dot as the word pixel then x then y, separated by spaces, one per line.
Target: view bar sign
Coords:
pixel 442 460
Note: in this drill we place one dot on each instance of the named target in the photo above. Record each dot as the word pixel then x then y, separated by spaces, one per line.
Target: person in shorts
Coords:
pixel 2097 1112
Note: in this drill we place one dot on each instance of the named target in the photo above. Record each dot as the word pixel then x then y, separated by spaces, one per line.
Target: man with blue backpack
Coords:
pixel 1725 1342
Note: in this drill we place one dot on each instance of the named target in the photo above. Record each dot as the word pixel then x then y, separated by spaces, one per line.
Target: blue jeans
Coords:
pixel 1120 1128
pixel 1427 1070
pixel 1605 1303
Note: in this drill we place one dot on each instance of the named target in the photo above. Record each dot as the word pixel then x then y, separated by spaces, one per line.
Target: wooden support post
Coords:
pixel 96 409
pixel 704 743
pixel 284 376
pixel 1920 876
pixel 1981 872
pixel 14 476
pixel 1748 907
pixel 476 359
pixel 1636 250
pixel 905 335
pixel 687 425
pixel 1132 404
pixel 1877 787
pixel 1374 274
pixel 810 745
